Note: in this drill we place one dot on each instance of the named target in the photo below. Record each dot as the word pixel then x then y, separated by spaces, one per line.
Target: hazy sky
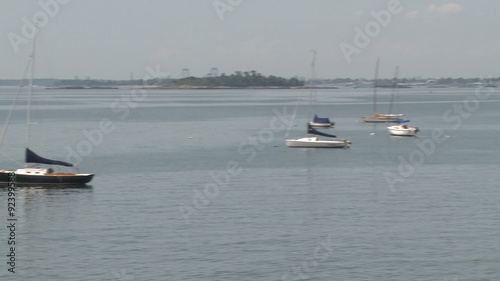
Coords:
pixel 109 39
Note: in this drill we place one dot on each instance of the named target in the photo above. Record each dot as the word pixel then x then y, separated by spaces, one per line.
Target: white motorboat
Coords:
pixel 313 141
pixel 402 130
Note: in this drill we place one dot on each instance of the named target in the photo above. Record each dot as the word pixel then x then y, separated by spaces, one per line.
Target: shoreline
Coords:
pixel 188 87
pixel 182 87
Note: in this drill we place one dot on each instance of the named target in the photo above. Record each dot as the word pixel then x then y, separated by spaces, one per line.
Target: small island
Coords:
pixel 247 79
pixel 237 80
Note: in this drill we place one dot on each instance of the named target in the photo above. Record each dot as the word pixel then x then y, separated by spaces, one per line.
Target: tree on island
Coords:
pixel 239 79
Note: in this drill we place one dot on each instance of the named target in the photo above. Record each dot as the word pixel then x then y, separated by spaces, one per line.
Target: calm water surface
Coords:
pixel 199 185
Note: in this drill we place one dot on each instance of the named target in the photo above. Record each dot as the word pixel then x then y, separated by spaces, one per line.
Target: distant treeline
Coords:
pixel 245 79
pixel 240 79
pixel 430 81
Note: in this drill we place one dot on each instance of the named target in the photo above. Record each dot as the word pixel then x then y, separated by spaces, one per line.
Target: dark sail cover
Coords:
pixel 32 157
pixel 323 120
pixel 313 131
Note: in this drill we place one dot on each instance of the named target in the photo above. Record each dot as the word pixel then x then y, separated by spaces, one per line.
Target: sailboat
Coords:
pixel 314 141
pixel 317 121
pixel 379 117
pixel 395 85
pixel 37 175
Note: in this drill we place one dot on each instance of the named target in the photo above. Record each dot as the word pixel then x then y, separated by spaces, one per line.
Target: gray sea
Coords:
pixel 199 185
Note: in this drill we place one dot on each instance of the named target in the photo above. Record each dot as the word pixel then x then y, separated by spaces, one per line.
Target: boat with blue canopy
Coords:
pixel 321 122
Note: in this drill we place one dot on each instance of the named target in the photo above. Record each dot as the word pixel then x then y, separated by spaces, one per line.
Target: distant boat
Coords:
pixel 382 118
pixel 379 117
pixel 321 122
pixel 37 175
pixel 402 130
pixel 317 121
pixel 316 142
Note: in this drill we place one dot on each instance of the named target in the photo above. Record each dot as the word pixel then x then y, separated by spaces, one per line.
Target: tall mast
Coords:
pixel 375 87
pixel 312 84
pixel 30 94
pixel 394 90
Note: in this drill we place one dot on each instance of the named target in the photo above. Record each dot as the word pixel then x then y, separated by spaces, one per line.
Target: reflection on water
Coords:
pixel 439 223
pixel 34 200
pixel 66 187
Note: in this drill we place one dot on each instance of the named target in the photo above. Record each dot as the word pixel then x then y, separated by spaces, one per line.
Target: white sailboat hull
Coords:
pixel 43 176
pixel 316 142
pixel 402 130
